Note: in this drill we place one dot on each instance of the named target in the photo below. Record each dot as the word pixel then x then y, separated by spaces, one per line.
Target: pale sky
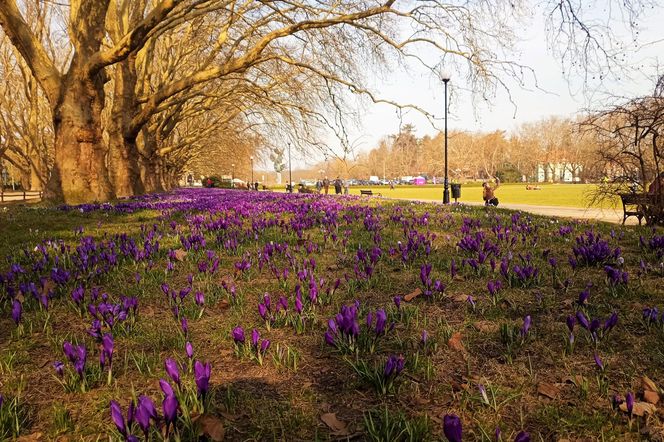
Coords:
pixel 560 97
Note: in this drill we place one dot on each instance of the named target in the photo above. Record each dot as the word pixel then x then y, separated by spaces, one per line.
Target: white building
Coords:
pixel 559 172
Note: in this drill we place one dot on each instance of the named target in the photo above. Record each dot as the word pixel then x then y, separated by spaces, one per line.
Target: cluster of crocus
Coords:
pixel 430 287
pixel 111 314
pixel 77 356
pixel 596 326
pixel 652 318
pixel 655 245
pixel 140 414
pixel 592 250
pixel 344 333
pixel 273 313
pixel 394 366
pixel 615 277
pixel 365 263
pixel 259 346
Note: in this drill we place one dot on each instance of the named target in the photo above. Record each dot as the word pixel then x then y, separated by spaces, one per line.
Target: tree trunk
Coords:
pixel 80 173
pixel 123 152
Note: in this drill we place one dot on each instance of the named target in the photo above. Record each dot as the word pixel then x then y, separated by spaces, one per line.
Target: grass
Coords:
pixel 559 195
pixel 302 378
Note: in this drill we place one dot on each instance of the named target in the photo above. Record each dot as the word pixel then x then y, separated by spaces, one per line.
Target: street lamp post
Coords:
pixel 252 169
pixel 290 171
pixel 232 175
pixel 446 188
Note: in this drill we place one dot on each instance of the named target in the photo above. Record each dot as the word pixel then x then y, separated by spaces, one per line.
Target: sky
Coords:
pixel 557 94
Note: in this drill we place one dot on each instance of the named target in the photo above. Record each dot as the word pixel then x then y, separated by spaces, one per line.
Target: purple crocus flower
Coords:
pixel 397 301
pixel 571 322
pixel 17 310
pixel 189 349
pixel 107 348
pixel 425 337
pixel 199 298
pixel 202 376
pixel 452 428
pixel 629 401
pixel 172 370
pixel 329 338
pixel 59 368
pixel 170 407
pixel 298 304
pixel 381 320
pixel 583 321
pixel 599 362
pixel 166 388
pixel 583 297
pixel 611 322
pixel 185 326
pixel 522 437
pixel 238 335
pixel 118 418
pixel 255 337
pixel 265 344
pixel 262 310
pixel 526 325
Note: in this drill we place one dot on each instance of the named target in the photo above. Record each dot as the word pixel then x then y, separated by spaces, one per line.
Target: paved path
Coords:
pixel 595 214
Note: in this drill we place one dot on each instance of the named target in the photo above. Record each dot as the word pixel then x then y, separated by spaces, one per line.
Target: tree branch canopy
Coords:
pixel 30 48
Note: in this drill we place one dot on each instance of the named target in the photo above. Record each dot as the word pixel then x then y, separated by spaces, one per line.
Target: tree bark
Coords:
pixel 80 173
pixel 123 152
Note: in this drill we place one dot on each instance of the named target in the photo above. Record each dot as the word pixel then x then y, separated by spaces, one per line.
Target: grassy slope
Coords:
pixel 265 402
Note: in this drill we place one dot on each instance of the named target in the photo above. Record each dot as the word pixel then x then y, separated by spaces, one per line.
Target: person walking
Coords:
pixel 488 194
pixel 319 186
pixel 346 187
pixel 337 186
pixel 326 185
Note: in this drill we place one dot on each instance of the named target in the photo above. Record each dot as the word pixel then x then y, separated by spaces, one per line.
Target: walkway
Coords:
pixel 595 214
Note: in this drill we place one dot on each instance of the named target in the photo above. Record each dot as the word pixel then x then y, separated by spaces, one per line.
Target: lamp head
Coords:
pixel 445 76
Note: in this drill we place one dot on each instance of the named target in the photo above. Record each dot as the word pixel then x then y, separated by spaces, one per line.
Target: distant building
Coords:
pixel 559 172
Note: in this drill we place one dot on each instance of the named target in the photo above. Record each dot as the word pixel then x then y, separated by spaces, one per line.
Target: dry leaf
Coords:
pixel 576 380
pixel 460 298
pixel 640 408
pixel 180 254
pixel 648 384
pixel 337 427
pixel 651 397
pixel 455 342
pixel 20 298
pixel 210 426
pixel 410 296
pixel 49 285
pixel 486 326
pixel 548 390
pixel 223 304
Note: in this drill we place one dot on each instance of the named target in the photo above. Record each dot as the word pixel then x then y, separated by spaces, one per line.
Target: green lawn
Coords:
pixel 564 195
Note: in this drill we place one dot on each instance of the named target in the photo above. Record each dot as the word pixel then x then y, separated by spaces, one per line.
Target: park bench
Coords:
pixel 636 204
pixel 369 193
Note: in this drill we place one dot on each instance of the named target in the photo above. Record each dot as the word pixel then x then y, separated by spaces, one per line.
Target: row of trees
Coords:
pixel 109 98
pixel 546 145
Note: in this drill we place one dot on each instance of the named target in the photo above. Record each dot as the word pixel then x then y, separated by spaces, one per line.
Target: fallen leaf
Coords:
pixel 180 254
pixel 48 287
pixel 486 326
pixel 338 427
pixel 640 408
pixel 223 304
pixel 455 342
pixel 648 384
pixel 460 298
pixel 576 380
pixel 651 397
pixel 410 296
pixel 210 426
pixel 548 390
